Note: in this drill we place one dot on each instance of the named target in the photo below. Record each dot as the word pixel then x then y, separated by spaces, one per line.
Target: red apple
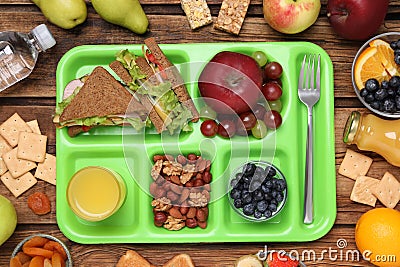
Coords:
pixel 231 83
pixel 356 19
pixel 291 16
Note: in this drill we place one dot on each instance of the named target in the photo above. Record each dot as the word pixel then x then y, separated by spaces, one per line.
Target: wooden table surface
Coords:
pixel 34 98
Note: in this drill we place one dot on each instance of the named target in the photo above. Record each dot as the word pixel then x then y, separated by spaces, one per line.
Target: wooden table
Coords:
pixel 34 98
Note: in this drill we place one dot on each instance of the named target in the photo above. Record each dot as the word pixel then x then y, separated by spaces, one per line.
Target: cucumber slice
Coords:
pixel 248 261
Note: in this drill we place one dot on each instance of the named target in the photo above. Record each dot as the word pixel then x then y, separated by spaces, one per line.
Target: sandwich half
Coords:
pixel 102 100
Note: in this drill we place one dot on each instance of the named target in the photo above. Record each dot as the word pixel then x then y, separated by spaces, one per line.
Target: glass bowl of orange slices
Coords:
pixel 376 74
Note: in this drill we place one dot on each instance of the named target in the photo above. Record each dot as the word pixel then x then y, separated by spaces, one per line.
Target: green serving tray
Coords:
pixel 130 154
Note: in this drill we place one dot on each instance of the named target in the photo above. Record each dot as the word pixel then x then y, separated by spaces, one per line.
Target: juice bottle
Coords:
pixel 371 133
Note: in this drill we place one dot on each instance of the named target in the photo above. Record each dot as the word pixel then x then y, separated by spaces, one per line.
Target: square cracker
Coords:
pixel 388 190
pixel 3 167
pixel 354 164
pixel 4 146
pixel 11 127
pixel 32 146
pixel 362 190
pixel 19 185
pixel 34 125
pixel 46 170
pixel 16 166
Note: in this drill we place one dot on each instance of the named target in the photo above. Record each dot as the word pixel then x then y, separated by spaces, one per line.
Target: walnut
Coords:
pixel 172 168
pixel 187 173
pixel 198 199
pixel 174 224
pixel 156 169
pixel 161 204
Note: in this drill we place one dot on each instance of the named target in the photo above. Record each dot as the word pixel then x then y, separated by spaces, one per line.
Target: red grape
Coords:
pixel 226 128
pixel 271 91
pixel 209 128
pixel 259 111
pixel 272 119
pixel 248 119
pixel 273 70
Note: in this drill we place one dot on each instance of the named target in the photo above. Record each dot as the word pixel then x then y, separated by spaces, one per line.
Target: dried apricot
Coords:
pixel 15 262
pixel 38 252
pixel 39 203
pixel 47 263
pixel 57 261
pixel 56 247
pixel 23 257
pixel 26 264
pixel 36 241
pixel 37 261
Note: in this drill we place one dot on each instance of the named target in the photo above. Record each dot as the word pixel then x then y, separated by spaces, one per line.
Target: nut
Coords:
pixel 189 184
pixel 181 159
pixel 184 210
pixel 160 180
pixel 159 218
pixel 191 157
pixel 191 213
pixel 191 223
pixel 207 177
pixel 177 189
pixel 157 158
pixel 152 188
pixel 174 212
pixel 184 195
pixel 198 182
pixel 202 225
pixel 172 196
pixel 175 179
pixel 169 158
pixel 201 215
pixel 159 192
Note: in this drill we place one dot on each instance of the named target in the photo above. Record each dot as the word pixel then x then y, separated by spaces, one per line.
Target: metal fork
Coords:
pixel 309 95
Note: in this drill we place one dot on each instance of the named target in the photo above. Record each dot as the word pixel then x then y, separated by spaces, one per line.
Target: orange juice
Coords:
pixel 95 193
pixel 371 133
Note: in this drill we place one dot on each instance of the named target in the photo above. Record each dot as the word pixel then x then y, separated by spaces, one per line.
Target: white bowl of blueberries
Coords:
pixel 382 98
pixel 257 191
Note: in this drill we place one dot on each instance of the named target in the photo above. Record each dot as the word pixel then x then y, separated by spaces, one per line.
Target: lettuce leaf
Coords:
pixel 128 61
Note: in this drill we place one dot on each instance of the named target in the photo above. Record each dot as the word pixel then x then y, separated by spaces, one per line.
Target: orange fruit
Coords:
pixel 369 65
pixel 386 55
pixel 377 236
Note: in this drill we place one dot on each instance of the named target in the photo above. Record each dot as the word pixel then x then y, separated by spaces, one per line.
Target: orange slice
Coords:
pixel 386 55
pixel 369 65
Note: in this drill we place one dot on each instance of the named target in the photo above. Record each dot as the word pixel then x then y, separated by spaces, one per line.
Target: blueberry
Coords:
pixel 394 82
pixel 239 176
pixel 267 197
pixel 282 183
pixel 257 214
pixel 389 105
pixel 247 198
pixel 390 92
pixel 398 43
pixel 384 84
pixel 246 186
pixel 273 201
pixel 397 58
pixel 249 169
pixel 238 203
pixel 272 207
pixel 258 195
pixel 397 101
pixel 369 98
pixel 393 44
pixel 236 193
pixel 249 209
pixel 268 184
pixel 381 94
pixel 262 206
pixel 274 193
pixel 265 189
pixel 363 92
pixel 372 85
pixel 267 213
pixel 279 197
pixel 239 186
pixel 376 105
pixel 271 171
pixel 234 182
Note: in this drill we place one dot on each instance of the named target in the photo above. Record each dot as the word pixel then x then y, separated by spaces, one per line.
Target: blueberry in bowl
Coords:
pixel 257 190
pixel 376 74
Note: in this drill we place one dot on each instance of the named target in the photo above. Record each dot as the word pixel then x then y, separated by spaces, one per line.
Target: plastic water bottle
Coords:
pixel 19 53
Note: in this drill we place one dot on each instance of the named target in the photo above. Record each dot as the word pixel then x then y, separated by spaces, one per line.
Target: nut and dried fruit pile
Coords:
pixel 181 191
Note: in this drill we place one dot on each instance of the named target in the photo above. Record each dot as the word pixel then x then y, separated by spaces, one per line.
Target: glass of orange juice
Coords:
pixel 95 193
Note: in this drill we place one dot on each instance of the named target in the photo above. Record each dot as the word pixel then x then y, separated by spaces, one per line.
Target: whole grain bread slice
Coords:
pixel 180 260
pixel 101 95
pixel 133 259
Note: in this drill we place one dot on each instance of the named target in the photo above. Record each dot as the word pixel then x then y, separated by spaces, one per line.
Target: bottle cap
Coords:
pixel 351 127
pixel 44 37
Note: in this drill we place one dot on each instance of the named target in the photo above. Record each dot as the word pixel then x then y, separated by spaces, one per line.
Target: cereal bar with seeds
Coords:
pixel 197 13
pixel 231 15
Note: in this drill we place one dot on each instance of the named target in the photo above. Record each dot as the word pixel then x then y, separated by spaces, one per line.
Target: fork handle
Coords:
pixel 308 190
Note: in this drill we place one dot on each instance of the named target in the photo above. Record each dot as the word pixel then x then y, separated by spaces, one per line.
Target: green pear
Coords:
pixel 125 13
pixel 8 220
pixel 63 13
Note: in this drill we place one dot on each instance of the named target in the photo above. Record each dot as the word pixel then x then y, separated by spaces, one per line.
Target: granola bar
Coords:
pixel 197 13
pixel 231 15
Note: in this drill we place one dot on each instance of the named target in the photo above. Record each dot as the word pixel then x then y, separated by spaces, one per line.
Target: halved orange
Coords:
pixel 386 54
pixel 369 65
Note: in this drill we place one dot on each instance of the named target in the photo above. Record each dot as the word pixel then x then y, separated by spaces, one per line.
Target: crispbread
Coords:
pixel 32 146
pixel 231 15
pixel 3 167
pixel 180 260
pixel 100 96
pixel 16 166
pixel 362 190
pixel 19 185
pixel 133 259
pixel 197 12
pixel 46 170
pixel 4 146
pixel 34 125
pixel 354 164
pixel 388 190
pixel 11 127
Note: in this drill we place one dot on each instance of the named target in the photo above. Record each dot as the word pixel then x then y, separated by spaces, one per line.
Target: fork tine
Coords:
pixel 312 72
pixel 301 75
pixel 319 73
pixel 308 74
